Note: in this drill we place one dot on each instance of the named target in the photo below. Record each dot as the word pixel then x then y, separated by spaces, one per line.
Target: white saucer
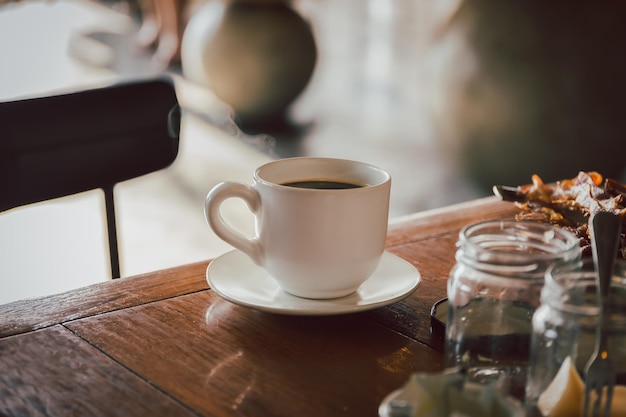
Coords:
pixel 234 277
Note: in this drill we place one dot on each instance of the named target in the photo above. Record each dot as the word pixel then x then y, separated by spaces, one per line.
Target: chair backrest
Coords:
pixel 64 144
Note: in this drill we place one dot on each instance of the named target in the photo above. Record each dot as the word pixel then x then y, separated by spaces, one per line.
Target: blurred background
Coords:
pixel 450 96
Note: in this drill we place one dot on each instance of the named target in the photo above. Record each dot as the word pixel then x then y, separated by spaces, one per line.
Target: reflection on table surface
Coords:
pixel 163 343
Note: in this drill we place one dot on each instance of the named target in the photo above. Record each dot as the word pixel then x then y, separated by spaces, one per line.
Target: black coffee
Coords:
pixel 323 185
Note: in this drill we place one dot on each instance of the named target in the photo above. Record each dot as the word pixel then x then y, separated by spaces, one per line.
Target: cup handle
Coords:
pixel 214 199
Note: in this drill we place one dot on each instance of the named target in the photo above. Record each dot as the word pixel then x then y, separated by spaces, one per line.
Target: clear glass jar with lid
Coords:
pixel 564 337
pixel 493 292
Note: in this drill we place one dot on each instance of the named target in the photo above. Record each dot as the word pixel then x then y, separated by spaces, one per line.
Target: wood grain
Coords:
pixel 164 344
pixel 32 314
pixel 221 359
pixel 434 258
pixel 448 219
pixel 54 373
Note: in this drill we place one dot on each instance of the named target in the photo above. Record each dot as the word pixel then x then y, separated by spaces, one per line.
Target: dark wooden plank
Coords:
pixel 434 258
pixel 224 360
pixel 32 314
pixel 52 372
pixel 220 359
pixel 447 219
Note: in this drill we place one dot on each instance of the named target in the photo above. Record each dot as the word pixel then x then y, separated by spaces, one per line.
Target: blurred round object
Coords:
pixel 255 55
pixel 532 87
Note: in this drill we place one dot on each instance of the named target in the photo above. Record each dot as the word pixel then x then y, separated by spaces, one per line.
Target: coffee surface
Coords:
pixel 323 185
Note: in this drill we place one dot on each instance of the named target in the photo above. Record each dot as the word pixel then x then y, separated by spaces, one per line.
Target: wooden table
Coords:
pixel 164 344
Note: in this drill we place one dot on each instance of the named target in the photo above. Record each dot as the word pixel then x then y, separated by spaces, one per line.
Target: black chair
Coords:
pixel 65 144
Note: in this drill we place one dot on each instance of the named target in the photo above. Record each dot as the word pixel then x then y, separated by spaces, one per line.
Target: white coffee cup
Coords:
pixel 316 243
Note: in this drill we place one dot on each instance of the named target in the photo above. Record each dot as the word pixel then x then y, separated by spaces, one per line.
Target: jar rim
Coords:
pixel 474 237
pixel 563 280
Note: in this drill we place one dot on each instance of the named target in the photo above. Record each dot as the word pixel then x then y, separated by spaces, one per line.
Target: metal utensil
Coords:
pixel 605 230
pixel 508 193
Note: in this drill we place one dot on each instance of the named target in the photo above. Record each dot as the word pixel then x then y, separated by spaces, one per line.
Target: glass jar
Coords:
pixel 493 291
pixel 564 332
